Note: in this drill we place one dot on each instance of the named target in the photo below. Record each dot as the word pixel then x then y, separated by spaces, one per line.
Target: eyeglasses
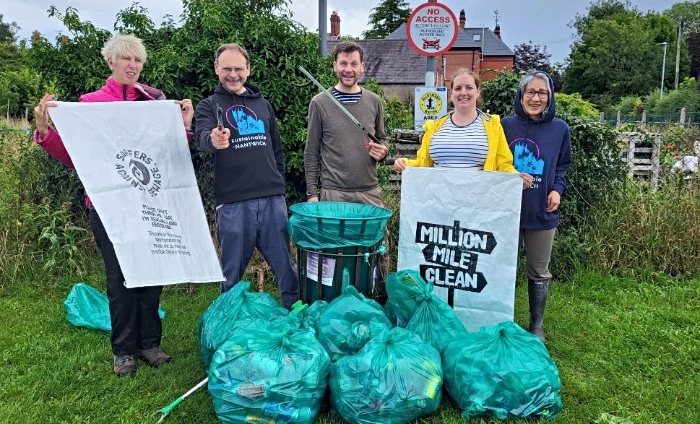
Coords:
pixel 239 70
pixel 542 94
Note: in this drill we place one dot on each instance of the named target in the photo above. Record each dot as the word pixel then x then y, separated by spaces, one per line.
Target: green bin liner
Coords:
pixel 503 372
pixel 231 310
pixel 333 225
pixel 88 307
pixel 395 378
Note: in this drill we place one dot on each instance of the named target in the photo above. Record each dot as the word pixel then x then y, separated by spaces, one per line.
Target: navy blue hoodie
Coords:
pixel 541 148
pixel 253 164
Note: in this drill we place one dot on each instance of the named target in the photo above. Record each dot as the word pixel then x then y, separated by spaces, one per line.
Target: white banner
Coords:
pixel 135 164
pixel 460 230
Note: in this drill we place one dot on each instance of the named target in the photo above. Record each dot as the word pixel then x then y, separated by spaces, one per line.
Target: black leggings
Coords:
pixel 133 312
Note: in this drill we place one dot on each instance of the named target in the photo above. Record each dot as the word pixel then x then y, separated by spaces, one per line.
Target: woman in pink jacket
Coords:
pixel 136 326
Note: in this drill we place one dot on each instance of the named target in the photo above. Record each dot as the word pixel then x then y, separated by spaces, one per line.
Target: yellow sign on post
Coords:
pixel 430 103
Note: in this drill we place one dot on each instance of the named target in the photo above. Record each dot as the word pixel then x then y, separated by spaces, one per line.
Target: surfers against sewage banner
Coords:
pixel 460 230
pixel 134 162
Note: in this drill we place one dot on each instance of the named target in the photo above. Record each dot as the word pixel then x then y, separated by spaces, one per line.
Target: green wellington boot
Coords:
pixel 537 294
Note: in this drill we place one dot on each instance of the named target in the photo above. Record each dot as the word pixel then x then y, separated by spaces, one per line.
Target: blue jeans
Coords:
pixel 261 223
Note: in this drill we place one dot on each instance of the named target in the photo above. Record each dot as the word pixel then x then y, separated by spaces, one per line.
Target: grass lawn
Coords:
pixel 625 348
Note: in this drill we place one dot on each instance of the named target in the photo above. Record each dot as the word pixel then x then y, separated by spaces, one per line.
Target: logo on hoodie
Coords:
pixel 526 156
pixel 245 121
pixel 139 170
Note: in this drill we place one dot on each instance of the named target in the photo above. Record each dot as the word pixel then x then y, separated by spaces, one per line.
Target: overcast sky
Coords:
pixel 544 22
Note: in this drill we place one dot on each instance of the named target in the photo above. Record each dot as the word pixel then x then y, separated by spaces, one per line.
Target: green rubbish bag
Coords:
pixel 232 309
pixel 344 325
pixel 269 372
pixel 88 307
pixel 395 378
pixel 504 372
pixel 412 305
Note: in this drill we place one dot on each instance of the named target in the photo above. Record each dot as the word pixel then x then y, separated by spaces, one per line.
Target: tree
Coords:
pixel 603 9
pixel 686 12
pixel 687 15
pixel 10 54
pixel 8 31
pixel 529 57
pixel 616 53
pixel 386 17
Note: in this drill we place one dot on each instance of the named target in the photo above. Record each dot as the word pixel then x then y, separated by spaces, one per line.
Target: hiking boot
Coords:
pixel 154 355
pixel 124 365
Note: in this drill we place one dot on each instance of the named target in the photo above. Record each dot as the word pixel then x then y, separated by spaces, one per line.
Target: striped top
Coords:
pixel 464 147
pixel 345 98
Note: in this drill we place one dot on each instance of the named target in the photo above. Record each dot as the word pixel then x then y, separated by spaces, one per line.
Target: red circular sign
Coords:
pixel 432 29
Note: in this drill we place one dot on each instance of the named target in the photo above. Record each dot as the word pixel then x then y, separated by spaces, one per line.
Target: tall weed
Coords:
pixel 49 231
pixel 56 236
pixel 653 230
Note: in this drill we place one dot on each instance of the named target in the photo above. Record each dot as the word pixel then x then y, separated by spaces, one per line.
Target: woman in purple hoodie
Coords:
pixel 136 326
pixel 542 148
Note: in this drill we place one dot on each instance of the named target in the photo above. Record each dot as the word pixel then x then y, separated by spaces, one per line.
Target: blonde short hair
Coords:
pixel 122 44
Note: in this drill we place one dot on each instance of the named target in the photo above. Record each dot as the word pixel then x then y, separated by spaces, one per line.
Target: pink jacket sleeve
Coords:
pixel 53 145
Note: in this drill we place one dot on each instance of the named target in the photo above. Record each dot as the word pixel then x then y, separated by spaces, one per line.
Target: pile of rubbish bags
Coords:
pixel 368 363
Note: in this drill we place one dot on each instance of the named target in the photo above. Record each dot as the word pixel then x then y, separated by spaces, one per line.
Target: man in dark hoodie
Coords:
pixel 249 186
pixel 542 148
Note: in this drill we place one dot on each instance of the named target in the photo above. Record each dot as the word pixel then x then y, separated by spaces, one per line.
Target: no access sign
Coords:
pixel 432 29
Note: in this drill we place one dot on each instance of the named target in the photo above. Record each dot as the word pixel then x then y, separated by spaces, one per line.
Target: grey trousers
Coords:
pixel 538 252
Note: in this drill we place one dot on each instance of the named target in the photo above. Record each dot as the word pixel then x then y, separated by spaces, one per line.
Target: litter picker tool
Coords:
pixel 219 117
pixel 168 409
pixel 337 103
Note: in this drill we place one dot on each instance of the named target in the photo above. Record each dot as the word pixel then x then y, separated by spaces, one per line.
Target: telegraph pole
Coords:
pixel 322 31
pixel 678 52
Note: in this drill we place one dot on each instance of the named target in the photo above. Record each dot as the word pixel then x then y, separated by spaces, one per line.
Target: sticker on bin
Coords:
pixel 312 269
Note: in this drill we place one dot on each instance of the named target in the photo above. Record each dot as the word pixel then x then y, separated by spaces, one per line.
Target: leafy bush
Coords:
pixel 19 90
pixel 628 106
pixel 597 171
pixel 575 105
pixel 498 94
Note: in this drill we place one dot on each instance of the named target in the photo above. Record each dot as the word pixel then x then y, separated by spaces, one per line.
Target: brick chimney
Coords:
pixel 335 25
pixel 497 31
pixel 462 18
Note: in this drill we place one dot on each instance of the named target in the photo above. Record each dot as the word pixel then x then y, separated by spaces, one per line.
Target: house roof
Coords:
pixel 492 45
